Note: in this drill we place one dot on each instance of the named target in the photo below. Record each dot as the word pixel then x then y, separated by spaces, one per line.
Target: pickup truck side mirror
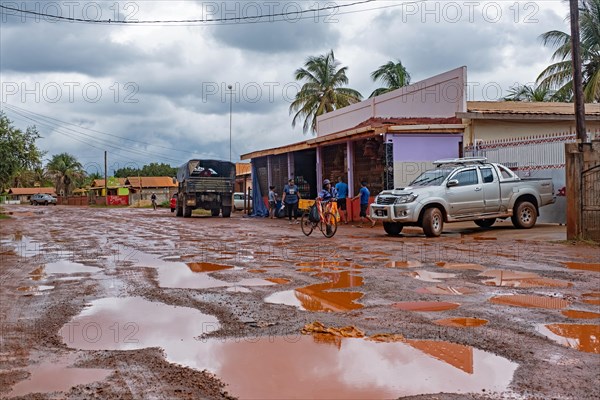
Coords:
pixel 452 182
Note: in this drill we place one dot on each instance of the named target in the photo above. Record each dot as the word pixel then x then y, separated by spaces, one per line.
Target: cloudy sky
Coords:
pixel 157 92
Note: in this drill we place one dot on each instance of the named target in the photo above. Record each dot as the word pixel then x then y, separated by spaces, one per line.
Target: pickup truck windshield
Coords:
pixel 431 178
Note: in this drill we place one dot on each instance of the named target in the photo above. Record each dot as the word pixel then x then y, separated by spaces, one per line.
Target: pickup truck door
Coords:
pixel 467 197
pixel 491 189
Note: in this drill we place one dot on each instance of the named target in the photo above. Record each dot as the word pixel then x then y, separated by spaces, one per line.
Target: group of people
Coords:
pixel 339 192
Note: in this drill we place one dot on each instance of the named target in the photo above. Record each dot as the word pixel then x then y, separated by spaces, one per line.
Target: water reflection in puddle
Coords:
pixel 134 323
pixel 577 314
pixel 279 281
pixel 521 300
pixel 461 322
pixel 69 267
pixel 583 266
pixel 318 297
pixel 403 264
pixel 591 298
pixel 57 375
pixel 34 290
pixel 446 290
pixel 301 367
pixel 425 305
pixel 520 279
pixel 461 266
pixel 191 275
pixel 584 338
pixel 427 276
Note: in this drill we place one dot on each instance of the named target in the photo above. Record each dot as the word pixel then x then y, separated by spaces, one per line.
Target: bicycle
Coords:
pixel 327 222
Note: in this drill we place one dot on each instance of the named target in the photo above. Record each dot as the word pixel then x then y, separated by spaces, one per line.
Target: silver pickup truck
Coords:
pixel 463 189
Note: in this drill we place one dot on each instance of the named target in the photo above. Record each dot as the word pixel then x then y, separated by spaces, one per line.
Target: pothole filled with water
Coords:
pixel 578 314
pixel 319 297
pixel 520 279
pixel 295 366
pixel 461 266
pixel 584 338
pixel 460 322
pixel 522 300
pixel 427 276
pixel 583 266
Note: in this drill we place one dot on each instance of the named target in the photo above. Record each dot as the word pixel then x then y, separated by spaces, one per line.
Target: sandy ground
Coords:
pixel 127 253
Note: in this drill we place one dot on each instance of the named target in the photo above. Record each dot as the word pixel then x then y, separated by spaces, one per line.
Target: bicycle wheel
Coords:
pixel 306 224
pixel 329 225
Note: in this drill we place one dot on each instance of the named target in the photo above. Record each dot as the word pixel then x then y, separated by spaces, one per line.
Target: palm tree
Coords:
pixel 559 76
pixel 323 91
pixel 530 93
pixel 64 169
pixel 392 75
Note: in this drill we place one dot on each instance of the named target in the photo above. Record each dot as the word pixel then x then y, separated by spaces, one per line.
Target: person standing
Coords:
pixel 364 195
pixel 342 191
pixel 291 197
pixel 272 202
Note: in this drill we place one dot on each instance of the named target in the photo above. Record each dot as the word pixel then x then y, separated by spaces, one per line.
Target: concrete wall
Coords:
pixel 441 96
pixel 506 129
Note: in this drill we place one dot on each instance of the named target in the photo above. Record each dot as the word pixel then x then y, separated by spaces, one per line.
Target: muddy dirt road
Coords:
pixel 135 303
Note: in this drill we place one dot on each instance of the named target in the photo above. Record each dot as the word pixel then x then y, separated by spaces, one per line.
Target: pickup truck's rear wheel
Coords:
pixel 214 212
pixel 392 228
pixel 178 210
pixel 524 216
pixel 485 223
pixel 187 211
pixel 226 212
pixel 433 222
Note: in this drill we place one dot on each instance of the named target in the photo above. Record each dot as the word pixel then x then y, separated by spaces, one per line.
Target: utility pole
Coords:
pixel 230 116
pixel 577 78
pixel 105 179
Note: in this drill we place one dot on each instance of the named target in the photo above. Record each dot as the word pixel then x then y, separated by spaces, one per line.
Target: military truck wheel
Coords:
pixel 214 212
pixel 226 212
pixel 392 228
pixel 485 223
pixel 178 211
pixel 187 211
pixel 433 222
pixel 524 216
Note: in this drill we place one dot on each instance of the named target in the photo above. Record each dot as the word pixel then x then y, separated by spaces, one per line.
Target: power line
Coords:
pixel 94 130
pixel 185 21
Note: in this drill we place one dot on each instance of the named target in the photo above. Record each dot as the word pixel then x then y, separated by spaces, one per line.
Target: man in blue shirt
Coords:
pixel 364 195
pixel 342 190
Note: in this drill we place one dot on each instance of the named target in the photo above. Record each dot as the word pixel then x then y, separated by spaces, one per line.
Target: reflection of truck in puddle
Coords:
pixel 206 184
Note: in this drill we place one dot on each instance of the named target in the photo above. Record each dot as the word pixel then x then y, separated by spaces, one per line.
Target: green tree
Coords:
pixel 18 151
pixel 152 169
pixel 65 170
pixel 393 75
pixel 530 93
pixel 559 76
pixel 322 91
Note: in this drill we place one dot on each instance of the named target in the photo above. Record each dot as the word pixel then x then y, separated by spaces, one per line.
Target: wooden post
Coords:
pixel 573 168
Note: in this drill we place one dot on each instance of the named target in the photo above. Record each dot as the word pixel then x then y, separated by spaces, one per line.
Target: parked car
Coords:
pixel 238 201
pixel 44 199
pixel 173 203
pixel 463 189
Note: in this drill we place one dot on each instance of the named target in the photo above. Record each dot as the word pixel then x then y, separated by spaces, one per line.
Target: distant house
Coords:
pixel 142 187
pixel 24 194
pixel 117 195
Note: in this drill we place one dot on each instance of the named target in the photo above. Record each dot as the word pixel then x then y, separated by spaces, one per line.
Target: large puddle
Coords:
pixel 461 266
pixel 192 275
pixel 69 267
pixel 319 297
pixel 583 266
pixel 523 300
pixel 520 279
pixel 57 375
pixel 296 366
pixel 580 337
pixel 577 314
pixel 425 306
pixel 461 322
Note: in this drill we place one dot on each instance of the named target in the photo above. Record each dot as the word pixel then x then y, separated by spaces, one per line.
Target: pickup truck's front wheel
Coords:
pixel 392 228
pixel 524 216
pixel 433 222
pixel 187 211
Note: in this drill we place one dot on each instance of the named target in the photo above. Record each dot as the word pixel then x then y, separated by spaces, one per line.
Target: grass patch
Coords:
pixel 201 212
pixel 578 242
pixel 4 216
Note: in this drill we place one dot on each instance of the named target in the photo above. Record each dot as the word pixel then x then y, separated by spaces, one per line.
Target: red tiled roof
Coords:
pixel 33 190
pixel 100 182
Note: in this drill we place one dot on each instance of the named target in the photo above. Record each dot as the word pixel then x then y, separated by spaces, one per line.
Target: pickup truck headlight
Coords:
pixel 406 199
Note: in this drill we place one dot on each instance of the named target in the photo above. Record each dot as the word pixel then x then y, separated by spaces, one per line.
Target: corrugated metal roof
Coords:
pixel 100 182
pixel 528 107
pixel 33 190
pixel 151 182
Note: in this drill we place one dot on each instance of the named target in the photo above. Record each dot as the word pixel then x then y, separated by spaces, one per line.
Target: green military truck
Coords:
pixel 206 184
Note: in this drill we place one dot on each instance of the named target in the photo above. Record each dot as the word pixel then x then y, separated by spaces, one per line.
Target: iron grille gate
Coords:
pixel 590 201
